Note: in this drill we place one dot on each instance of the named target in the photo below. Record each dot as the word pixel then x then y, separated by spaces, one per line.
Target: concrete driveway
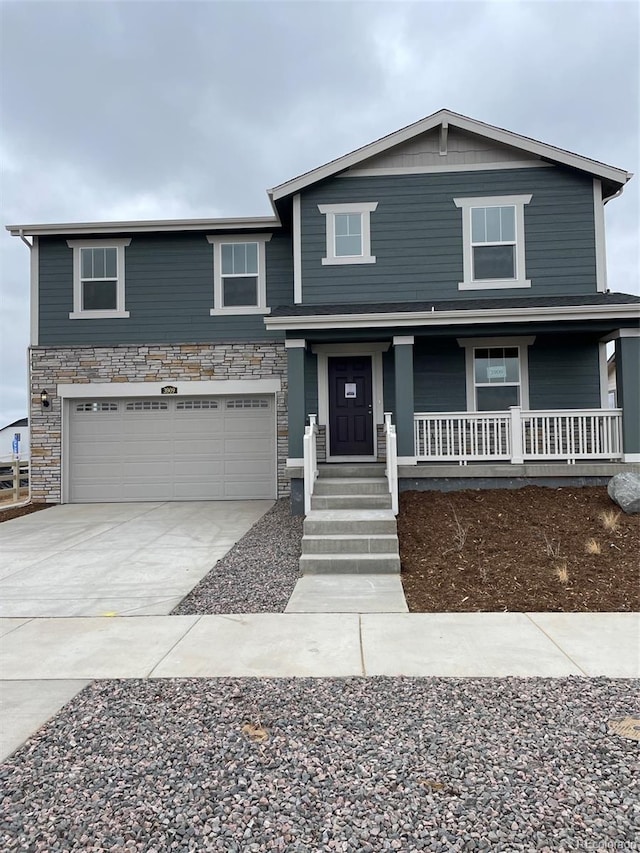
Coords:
pixel 115 559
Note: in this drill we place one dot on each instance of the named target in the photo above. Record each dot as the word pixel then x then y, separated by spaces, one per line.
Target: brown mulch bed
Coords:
pixel 17 511
pixel 529 549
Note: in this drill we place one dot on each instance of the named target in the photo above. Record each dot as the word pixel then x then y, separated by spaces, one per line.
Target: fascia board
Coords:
pixel 506 137
pixel 453 318
pixel 145 226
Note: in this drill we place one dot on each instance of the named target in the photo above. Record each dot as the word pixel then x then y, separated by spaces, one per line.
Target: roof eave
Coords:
pixel 145 226
pixel 621 311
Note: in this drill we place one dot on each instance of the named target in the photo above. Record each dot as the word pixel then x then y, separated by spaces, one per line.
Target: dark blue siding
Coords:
pixel 564 373
pixel 416 235
pixel 169 292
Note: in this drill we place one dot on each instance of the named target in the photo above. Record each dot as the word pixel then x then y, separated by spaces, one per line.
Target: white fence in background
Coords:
pixel 516 436
pixel 391 468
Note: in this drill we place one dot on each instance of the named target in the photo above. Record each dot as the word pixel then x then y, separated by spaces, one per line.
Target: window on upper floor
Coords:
pixel 98 278
pixel 493 242
pixel 348 233
pixel 239 274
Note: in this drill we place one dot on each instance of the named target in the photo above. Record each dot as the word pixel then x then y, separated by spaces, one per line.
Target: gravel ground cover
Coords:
pixel 258 574
pixel 302 765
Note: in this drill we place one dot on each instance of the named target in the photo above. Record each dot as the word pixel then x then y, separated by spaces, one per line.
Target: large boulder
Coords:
pixel 624 489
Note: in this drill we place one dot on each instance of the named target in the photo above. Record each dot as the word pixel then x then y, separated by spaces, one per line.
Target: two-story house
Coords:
pixel 452 274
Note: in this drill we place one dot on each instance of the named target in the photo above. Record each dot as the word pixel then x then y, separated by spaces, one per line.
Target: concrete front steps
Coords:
pixel 350 529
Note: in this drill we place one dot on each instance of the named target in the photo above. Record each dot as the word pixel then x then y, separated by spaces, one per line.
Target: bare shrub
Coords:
pixel 552 549
pixel 610 518
pixel 561 570
pixel 460 533
pixel 592 546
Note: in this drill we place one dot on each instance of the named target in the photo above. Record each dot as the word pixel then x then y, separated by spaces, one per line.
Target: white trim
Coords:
pixel 522 343
pixel 401 340
pixel 295 462
pixel 407 460
pixel 294 343
pixel 631 457
pixel 599 231
pixel 467 204
pixel 604 375
pixel 364 209
pixel 118 243
pixel 374 350
pixel 34 285
pixel 444 167
pixel 444 138
pixel 297 249
pixel 514 140
pixel 623 333
pixel 97 315
pixel 217 241
pixel 154 389
pixel 454 318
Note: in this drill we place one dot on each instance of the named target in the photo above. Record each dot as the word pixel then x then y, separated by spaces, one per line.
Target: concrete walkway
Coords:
pixel 45 662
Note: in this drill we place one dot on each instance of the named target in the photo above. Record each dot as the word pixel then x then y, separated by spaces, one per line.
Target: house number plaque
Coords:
pixel 169 389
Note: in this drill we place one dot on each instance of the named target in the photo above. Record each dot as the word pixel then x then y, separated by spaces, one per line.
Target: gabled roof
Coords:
pixel 21 422
pixel 444 119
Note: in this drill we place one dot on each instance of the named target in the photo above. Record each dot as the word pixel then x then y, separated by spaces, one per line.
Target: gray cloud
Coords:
pixel 159 109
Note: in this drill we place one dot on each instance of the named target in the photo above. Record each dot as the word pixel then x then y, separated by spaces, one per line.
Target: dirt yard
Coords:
pixel 16 511
pixel 529 549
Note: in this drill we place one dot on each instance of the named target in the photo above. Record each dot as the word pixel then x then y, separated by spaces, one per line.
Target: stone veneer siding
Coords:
pixel 165 363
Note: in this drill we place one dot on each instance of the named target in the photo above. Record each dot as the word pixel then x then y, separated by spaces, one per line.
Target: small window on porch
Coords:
pixel 496 375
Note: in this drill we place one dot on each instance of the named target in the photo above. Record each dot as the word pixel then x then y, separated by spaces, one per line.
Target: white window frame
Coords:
pixel 466 205
pixel 78 313
pixel 217 240
pixel 365 209
pixel 470 345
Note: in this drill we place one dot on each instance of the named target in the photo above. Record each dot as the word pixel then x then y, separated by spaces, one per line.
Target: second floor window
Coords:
pixel 493 242
pixel 239 274
pixel 98 278
pixel 239 270
pixel 493 254
pixel 348 233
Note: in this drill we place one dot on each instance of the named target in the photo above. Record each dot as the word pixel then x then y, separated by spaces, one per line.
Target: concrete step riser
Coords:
pixel 350 545
pixel 351 502
pixel 345 486
pixel 356 564
pixel 357 527
pixel 351 471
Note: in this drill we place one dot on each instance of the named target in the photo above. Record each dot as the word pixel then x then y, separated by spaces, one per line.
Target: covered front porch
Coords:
pixel 549 422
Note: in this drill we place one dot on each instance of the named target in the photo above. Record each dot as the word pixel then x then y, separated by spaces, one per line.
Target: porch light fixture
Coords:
pixel 44 399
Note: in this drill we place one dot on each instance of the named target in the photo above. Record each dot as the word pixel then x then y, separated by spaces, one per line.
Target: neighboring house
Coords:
pixel 8 434
pixel 451 273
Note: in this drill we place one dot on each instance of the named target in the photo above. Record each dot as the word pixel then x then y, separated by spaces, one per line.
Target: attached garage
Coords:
pixel 171 448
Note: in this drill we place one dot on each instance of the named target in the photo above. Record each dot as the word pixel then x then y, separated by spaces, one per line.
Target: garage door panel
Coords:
pixel 171 449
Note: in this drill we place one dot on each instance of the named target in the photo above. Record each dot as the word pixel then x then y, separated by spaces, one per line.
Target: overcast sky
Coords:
pixel 143 110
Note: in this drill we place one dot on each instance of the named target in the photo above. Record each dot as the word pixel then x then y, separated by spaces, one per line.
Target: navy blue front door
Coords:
pixel 350 406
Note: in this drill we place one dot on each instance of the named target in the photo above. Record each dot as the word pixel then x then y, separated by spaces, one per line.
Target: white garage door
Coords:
pixel 152 449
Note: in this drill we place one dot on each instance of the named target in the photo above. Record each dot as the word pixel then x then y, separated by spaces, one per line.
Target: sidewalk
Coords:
pixel 45 662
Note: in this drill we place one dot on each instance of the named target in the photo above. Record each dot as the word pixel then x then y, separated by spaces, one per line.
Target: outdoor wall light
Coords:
pixel 44 399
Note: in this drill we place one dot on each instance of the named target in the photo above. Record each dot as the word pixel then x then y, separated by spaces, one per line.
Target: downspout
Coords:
pixel 30 420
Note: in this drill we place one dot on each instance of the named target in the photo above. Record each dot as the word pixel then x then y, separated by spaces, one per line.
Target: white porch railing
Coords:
pixel 391 468
pixel 310 460
pixel 516 436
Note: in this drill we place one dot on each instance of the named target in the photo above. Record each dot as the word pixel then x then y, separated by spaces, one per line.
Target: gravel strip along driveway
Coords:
pixel 328 765
pixel 258 574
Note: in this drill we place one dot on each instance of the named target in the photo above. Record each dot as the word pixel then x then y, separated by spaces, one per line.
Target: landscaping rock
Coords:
pixel 624 489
